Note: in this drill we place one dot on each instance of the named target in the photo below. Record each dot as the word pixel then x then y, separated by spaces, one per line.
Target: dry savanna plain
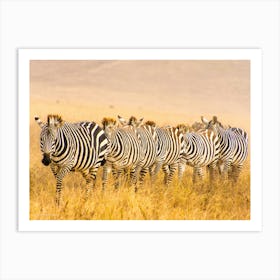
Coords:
pixel 168 92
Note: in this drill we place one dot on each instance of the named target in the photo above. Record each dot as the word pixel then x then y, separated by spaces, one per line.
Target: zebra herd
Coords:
pixel 133 148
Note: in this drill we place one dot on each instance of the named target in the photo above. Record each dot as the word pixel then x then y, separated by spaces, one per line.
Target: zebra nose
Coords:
pixel 46 159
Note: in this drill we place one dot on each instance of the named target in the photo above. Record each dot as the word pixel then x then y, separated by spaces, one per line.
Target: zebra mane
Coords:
pixel 55 120
pixel 132 120
pixel 150 123
pixel 106 121
pixel 184 128
pixel 215 121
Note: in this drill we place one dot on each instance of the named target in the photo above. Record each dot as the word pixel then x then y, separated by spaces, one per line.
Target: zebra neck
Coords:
pixel 63 141
pixel 110 133
pixel 114 139
pixel 222 136
pixel 220 132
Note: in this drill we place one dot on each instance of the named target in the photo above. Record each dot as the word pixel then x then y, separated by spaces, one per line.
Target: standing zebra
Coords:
pixel 124 152
pixel 233 147
pixel 170 149
pixel 148 142
pixel 72 147
pixel 202 150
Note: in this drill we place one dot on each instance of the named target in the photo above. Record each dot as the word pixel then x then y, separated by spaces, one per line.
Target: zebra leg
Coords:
pixel 117 174
pixel 93 173
pixel 230 172
pixel 88 179
pixel 212 168
pixel 166 171
pixel 142 175
pixel 220 168
pixel 59 177
pixel 154 170
pixel 235 172
pixel 151 171
pixel 172 168
pixel 181 169
pixel 134 175
pixel 54 169
pixel 197 174
pixel 106 170
pixel 226 169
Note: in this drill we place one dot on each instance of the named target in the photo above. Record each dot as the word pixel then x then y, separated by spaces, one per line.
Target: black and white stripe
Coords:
pixel 160 148
pixel 233 148
pixel 69 147
pixel 170 149
pixel 202 150
pixel 148 144
pixel 124 153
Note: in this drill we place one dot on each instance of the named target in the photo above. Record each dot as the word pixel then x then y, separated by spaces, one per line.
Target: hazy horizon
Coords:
pixel 167 91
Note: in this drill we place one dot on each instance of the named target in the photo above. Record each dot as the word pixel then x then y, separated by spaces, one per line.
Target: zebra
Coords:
pixel 66 147
pixel 148 144
pixel 201 150
pixel 124 152
pixel 170 149
pixel 233 148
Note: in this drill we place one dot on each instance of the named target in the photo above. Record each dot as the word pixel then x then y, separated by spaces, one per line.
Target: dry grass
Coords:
pixel 176 202
pixel 164 91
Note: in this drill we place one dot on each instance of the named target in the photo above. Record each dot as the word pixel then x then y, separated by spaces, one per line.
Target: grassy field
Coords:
pixel 168 92
pixel 183 201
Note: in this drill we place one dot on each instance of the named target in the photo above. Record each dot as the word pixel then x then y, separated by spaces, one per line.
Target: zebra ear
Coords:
pixel 39 122
pixel 55 121
pixel 205 121
pixel 215 119
pixel 103 122
pixel 122 120
pixel 140 122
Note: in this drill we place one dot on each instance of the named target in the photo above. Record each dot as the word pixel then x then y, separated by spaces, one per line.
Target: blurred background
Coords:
pixel 168 92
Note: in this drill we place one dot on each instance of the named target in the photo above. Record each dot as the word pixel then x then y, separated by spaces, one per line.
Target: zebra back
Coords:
pixel 202 148
pixel 124 147
pixel 233 142
pixel 171 144
pixel 148 144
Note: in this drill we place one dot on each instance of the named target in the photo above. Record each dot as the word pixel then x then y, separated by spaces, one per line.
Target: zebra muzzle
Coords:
pixel 46 159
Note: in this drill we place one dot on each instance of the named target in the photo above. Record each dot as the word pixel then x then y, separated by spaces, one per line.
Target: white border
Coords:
pixel 254 55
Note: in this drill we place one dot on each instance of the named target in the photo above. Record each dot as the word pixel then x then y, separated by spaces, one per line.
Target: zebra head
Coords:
pixel 109 125
pixel 48 136
pixel 214 124
pixel 134 125
pixel 183 128
pixel 133 122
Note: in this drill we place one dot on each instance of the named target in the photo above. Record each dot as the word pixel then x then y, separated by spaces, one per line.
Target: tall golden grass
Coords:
pixel 168 92
pixel 179 201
